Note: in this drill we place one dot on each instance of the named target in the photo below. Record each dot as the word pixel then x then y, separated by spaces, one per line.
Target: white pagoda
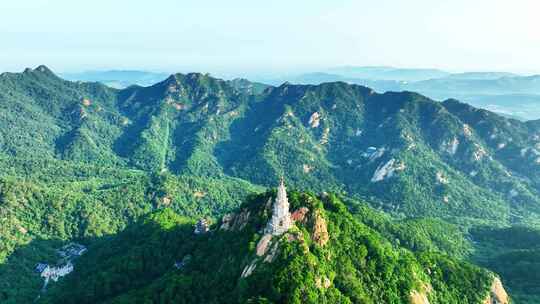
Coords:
pixel 281 217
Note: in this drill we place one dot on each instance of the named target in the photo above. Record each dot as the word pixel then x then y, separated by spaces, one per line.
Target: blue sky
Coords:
pixel 238 36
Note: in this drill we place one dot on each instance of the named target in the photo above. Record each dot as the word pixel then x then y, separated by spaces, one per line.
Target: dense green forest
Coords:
pixel 85 162
pixel 355 265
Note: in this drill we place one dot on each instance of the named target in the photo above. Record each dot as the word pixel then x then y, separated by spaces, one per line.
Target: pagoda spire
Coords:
pixel 281 216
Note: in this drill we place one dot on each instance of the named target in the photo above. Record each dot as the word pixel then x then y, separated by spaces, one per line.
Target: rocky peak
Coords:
pixel 43 69
pixel 40 72
pixel 195 87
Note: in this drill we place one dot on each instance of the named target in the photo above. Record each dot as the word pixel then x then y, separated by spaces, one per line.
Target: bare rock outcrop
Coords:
pixel 479 152
pixel 235 221
pixel 442 178
pixel 497 294
pixel 272 253
pixel 387 170
pixel 263 245
pixel 418 298
pixel 248 270
pixel 300 214
pixel 314 120
pixel 226 222
pixel 306 168
pixel 323 282
pixel 325 135
pixel 467 131
pixel 199 194
pixel 320 230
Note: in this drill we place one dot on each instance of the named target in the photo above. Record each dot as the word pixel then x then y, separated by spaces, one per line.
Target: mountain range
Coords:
pixel 84 161
pixel 507 94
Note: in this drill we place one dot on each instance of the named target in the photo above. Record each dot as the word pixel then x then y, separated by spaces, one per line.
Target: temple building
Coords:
pixel 281 217
pixel 202 226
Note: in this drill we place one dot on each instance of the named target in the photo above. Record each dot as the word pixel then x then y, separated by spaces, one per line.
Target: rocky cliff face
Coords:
pixel 497 294
pixel 418 298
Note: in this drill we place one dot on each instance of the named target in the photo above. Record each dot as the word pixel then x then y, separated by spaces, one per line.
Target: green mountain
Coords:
pixel 83 161
pixel 329 256
pixel 441 159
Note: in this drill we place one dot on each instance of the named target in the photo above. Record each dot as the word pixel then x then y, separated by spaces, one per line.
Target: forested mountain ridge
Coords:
pixel 443 159
pixel 82 160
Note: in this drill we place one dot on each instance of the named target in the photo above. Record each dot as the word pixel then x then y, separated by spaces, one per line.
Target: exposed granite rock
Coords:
pixel 441 178
pixel 263 245
pixel 387 170
pixel 451 146
pixel 248 270
pixel 300 214
pixel 233 221
pixel 307 168
pixel 272 253
pixel 314 120
pixel 467 130
pixel 322 282
pixel 320 231
pixel 497 294
pixel 418 298
pixel 241 220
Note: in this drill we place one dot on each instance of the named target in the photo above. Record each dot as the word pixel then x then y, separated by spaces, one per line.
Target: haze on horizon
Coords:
pixel 241 36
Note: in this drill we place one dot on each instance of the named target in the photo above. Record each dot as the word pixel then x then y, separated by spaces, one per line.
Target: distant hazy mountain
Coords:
pixel 504 85
pixel 505 93
pixel 517 96
pixel 524 106
pixel 388 73
pixel 118 78
pixel 481 75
